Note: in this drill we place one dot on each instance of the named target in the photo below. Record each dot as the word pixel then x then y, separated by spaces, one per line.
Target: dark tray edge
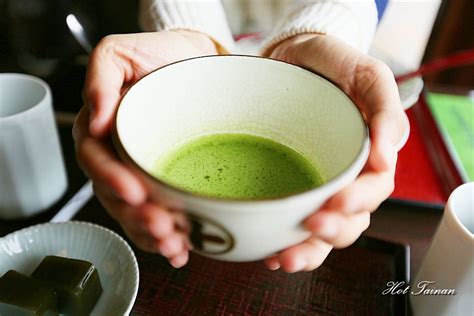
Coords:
pixel 401 255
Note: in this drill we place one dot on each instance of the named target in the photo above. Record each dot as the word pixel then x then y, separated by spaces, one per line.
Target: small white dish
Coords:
pixel 409 91
pixel 23 250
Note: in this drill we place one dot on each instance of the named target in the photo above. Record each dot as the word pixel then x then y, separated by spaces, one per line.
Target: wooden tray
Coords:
pixel 350 282
pixel 426 173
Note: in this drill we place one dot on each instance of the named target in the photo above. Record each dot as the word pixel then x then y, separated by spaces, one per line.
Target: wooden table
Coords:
pixel 260 291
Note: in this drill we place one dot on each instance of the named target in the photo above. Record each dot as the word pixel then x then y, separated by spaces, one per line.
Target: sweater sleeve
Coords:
pixel 207 17
pixel 353 21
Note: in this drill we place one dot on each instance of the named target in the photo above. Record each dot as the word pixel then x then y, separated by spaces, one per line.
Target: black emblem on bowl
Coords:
pixel 209 237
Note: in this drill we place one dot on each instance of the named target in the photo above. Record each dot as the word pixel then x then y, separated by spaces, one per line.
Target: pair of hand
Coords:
pixel 120 60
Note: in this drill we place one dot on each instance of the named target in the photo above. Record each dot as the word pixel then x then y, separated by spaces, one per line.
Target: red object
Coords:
pixel 254 35
pixel 425 172
pixel 454 60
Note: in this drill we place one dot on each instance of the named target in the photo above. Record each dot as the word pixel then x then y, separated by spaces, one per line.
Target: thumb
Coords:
pixel 104 80
pixel 388 131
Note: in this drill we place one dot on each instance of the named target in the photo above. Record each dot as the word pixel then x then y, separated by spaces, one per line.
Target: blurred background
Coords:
pixel 34 37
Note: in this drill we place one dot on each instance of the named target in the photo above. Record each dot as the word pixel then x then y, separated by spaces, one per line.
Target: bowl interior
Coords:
pixel 241 94
pixel 118 270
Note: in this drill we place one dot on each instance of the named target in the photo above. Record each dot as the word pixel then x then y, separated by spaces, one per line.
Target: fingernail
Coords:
pixel 134 196
pixel 172 245
pixel 299 265
pixel 179 261
pixel 176 265
pixel 273 266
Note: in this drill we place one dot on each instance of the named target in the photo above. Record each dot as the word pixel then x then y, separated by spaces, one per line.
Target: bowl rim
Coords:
pixel 119 238
pixel 334 184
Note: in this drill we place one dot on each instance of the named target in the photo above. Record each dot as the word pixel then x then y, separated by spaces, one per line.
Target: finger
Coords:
pixel 338 229
pixel 142 241
pixel 374 85
pixel 377 92
pixel 144 235
pixel 385 136
pixel 120 211
pixel 306 256
pixel 325 224
pixel 366 193
pixel 181 221
pixel 161 223
pixel 374 184
pixel 148 218
pixel 272 263
pixel 104 79
pixel 124 215
pixel 153 219
pixel 180 260
pixel 172 245
pixel 80 129
pixel 115 206
pixel 102 166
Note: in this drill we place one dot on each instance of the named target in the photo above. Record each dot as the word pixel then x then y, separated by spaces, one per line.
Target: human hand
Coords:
pixel 371 85
pixel 115 64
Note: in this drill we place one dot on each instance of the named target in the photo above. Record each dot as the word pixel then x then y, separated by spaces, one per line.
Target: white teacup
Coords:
pixel 445 283
pixel 247 95
pixel 32 172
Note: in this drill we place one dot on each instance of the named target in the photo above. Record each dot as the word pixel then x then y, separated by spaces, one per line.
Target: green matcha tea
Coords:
pixel 237 166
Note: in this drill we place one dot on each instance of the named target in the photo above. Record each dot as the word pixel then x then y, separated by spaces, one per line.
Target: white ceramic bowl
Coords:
pixel 23 250
pixel 249 95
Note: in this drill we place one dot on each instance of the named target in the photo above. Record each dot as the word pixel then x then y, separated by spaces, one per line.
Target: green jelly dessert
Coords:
pixel 237 166
pixel 23 296
pixel 77 283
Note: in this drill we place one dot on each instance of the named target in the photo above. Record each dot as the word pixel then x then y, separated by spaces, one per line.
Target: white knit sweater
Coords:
pixel 353 21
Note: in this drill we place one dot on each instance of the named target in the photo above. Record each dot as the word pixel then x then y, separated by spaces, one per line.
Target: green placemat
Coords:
pixel 454 115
